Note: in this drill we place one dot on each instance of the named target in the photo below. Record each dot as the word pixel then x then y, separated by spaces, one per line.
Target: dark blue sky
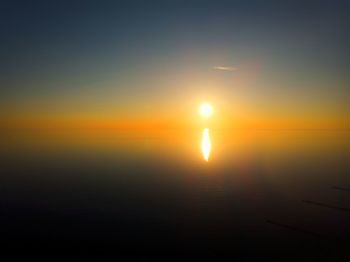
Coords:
pixel 60 49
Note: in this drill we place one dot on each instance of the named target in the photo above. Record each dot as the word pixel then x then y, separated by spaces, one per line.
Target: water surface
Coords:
pixel 113 191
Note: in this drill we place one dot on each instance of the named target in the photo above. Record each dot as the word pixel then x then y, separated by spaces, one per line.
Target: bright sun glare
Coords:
pixel 206 110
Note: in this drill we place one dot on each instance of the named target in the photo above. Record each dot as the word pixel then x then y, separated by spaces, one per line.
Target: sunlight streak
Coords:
pixel 206 144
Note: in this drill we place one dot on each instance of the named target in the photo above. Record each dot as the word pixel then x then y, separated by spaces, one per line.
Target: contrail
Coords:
pixel 226 68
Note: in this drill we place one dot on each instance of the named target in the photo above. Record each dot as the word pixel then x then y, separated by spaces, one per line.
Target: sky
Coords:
pixel 262 64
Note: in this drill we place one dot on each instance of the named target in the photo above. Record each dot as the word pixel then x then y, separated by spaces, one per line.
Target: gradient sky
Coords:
pixel 261 63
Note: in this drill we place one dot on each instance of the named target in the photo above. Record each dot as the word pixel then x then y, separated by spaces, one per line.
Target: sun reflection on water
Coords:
pixel 206 144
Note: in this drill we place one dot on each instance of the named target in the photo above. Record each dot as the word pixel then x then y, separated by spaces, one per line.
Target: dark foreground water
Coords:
pixel 280 195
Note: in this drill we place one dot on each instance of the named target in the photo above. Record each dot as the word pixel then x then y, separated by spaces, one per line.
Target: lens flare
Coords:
pixel 206 144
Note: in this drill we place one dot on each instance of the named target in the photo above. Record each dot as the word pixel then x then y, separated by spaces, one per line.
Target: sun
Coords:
pixel 206 110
